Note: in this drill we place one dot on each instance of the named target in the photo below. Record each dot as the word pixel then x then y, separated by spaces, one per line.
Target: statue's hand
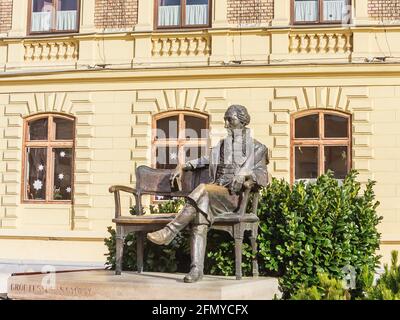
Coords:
pixel 177 175
pixel 237 183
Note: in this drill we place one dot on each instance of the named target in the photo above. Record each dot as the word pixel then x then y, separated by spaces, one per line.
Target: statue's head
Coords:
pixel 236 117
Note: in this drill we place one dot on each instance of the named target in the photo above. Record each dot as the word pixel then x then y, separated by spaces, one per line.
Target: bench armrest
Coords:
pixel 122 188
pixel 116 190
pixel 248 185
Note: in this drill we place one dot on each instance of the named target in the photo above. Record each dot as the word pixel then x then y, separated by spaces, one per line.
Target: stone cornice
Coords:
pixel 216 71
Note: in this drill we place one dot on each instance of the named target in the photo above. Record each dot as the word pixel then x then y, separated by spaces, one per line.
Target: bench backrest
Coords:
pixel 150 181
pixel 157 181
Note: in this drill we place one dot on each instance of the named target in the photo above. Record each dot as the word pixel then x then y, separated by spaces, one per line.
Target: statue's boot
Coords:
pixel 197 250
pixel 168 233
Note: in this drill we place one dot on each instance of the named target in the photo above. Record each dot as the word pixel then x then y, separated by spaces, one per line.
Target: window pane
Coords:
pixel 64 5
pixel 67 15
pixel 306 10
pixel 196 2
pixel 196 12
pixel 38 129
pixel 306 162
pixel 41 15
pixel 307 127
pixel 195 127
pixel 42 5
pixel 167 128
pixel 64 129
pixel 336 160
pixel 36 173
pixel 194 152
pixel 62 189
pixel 335 10
pixel 166 157
pixel 336 126
pixel 169 12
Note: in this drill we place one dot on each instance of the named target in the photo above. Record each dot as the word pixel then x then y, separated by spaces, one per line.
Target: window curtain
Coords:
pixel 196 14
pixel 306 10
pixel 66 20
pixel 334 10
pixel 41 21
pixel 169 15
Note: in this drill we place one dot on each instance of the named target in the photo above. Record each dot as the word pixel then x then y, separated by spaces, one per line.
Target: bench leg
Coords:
pixel 119 246
pixel 253 241
pixel 238 235
pixel 139 250
pixel 238 257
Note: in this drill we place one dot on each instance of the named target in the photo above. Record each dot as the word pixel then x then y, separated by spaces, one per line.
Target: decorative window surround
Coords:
pixel 23 105
pixel 148 103
pixel 352 100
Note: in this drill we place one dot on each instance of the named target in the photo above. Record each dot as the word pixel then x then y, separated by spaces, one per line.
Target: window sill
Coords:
pixel 320 25
pixel 46 203
pixel 311 181
pixel 182 29
pixel 52 33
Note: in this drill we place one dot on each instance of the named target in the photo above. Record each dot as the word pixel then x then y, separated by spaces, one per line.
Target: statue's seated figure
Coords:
pixel 232 162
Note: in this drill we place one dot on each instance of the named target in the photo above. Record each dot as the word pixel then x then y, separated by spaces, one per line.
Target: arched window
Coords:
pixel 179 137
pixel 48 158
pixel 320 141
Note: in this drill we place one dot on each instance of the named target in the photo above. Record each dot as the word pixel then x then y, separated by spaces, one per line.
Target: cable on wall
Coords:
pixel 383 7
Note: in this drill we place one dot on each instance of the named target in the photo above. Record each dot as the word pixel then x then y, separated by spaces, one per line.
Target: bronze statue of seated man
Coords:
pixel 234 160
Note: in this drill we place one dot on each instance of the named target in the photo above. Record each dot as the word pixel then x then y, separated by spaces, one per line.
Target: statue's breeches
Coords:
pixel 212 200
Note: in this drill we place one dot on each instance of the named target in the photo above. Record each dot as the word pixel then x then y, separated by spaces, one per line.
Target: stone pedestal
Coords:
pixel 104 284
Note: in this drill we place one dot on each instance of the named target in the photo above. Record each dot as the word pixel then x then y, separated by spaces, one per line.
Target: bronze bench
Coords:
pixel 151 181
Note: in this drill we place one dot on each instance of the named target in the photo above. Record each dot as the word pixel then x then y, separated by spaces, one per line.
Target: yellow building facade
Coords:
pixel 107 79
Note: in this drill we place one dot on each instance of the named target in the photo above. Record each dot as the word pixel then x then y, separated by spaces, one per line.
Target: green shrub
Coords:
pixel 319 227
pixel 327 288
pixel 388 285
pixel 220 258
pixel 170 206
